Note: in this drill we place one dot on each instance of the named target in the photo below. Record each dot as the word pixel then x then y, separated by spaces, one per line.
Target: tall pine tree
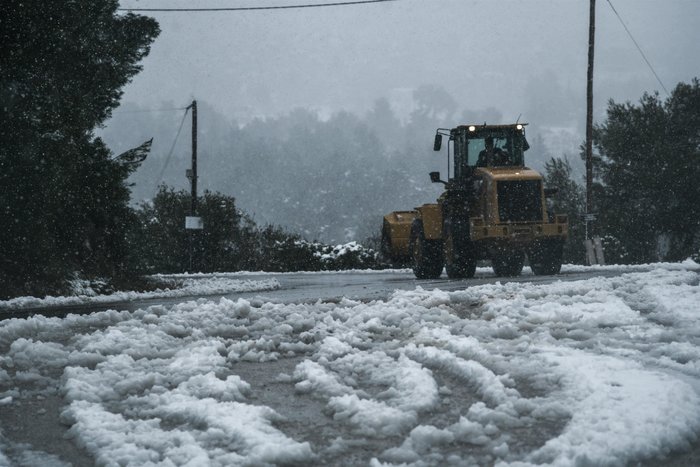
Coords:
pixel 64 202
pixel 648 168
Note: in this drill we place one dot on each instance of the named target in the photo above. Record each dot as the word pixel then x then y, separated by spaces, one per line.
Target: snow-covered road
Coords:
pixel 602 371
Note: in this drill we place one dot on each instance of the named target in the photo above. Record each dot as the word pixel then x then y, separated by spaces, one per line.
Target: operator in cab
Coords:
pixel 491 156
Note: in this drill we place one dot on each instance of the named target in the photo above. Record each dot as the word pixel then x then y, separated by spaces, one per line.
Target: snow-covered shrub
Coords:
pixel 348 256
pixel 295 254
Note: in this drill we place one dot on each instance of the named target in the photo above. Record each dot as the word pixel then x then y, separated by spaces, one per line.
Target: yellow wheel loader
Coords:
pixel 493 208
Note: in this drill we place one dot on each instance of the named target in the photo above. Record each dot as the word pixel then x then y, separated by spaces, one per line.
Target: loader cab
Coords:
pixel 469 141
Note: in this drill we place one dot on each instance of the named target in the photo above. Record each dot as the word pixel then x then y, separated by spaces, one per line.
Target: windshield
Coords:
pixel 488 149
pixel 498 152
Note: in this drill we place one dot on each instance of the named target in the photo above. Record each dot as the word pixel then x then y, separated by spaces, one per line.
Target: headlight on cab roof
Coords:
pixel 472 128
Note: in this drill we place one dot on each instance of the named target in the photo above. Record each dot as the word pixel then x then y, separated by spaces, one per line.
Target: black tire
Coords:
pixel 545 257
pixel 508 263
pixel 460 257
pixel 426 255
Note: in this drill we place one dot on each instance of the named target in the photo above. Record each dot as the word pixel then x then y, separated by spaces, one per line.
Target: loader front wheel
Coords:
pixel 508 263
pixel 427 256
pixel 460 257
pixel 545 258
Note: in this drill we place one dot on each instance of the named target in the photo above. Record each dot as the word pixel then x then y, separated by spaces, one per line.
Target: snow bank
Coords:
pixel 190 286
pixel 604 371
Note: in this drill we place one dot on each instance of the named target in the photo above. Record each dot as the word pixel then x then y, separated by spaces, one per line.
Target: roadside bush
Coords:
pixel 230 241
pixel 348 256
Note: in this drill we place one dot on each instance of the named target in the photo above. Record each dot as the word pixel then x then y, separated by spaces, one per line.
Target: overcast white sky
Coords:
pixel 519 56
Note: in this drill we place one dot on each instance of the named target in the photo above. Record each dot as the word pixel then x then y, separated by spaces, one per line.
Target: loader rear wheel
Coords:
pixel 460 257
pixel 545 257
pixel 508 263
pixel 427 257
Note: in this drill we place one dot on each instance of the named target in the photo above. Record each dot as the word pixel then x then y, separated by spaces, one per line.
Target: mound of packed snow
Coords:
pixel 185 286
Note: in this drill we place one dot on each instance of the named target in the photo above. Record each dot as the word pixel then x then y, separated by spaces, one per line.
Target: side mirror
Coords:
pixel 435 178
pixel 438 142
pixel 549 192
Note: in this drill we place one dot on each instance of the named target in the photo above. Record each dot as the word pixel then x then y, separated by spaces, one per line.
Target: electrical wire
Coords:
pixel 148 110
pixel 252 8
pixel 638 48
pixel 172 148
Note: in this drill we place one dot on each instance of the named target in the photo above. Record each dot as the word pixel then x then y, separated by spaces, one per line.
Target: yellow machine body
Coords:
pixel 499 209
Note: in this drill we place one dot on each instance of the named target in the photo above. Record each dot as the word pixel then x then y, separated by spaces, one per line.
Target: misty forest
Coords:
pixel 276 192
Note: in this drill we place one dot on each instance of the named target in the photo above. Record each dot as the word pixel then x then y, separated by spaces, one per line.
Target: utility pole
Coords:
pixel 594 247
pixel 193 222
pixel 589 119
pixel 193 206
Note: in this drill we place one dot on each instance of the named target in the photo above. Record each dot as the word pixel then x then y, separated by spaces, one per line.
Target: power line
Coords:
pixel 252 8
pixel 638 48
pixel 147 110
pixel 172 148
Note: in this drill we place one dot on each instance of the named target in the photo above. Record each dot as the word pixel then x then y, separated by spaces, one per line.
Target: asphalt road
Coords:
pixel 311 287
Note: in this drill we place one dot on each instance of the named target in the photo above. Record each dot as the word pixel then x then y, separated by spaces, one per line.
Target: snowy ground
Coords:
pixel 182 285
pixel 603 371
pixel 199 284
